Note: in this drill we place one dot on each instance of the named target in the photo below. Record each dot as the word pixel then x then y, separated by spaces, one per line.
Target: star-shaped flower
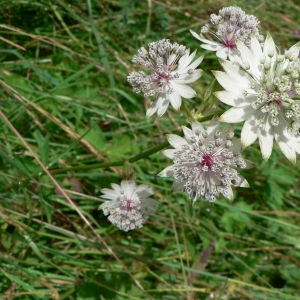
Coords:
pixel 130 204
pixel 232 24
pixel 265 93
pixel 205 161
pixel 172 69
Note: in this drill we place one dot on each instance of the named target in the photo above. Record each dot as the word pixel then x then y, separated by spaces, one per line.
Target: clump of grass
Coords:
pixel 70 120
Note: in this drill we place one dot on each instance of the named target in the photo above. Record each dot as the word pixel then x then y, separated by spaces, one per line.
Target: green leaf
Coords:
pixel 43 143
pixel 125 95
pixel 121 147
pixel 95 136
pixel 18 162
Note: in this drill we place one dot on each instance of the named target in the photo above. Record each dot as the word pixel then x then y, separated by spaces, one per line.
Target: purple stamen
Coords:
pixel 207 160
pixel 128 205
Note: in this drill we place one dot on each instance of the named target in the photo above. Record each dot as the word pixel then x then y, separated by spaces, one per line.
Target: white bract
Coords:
pixel 205 161
pixel 231 24
pixel 172 69
pixel 129 206
pixel 265 94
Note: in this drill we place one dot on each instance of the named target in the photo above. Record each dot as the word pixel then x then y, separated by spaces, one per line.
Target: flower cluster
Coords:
pixel 231 24
pixel 262 86
pixel 172 68
pixel 205 161
pixel 265 94
pixel 130 205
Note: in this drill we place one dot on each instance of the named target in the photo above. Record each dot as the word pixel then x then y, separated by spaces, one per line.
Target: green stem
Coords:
pixel 133 159
pixel 185 110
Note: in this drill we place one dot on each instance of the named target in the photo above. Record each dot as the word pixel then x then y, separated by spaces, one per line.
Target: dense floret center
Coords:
pixel 207 161
pixel 127 205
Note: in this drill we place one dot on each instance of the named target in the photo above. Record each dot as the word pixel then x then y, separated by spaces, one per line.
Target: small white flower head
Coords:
pixel 230 25
pixel 205 161
pixel 171 69
pixel 266 95
pixel 129 206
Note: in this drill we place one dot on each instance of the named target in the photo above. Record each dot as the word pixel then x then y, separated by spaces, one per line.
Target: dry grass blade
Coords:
pixel 12 43
pixel 51 41
pixel 24 101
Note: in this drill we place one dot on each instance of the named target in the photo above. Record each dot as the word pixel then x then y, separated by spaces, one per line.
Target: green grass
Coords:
pixel 70 120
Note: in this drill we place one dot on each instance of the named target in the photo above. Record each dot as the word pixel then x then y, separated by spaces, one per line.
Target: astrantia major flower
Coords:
pixel 129 206
pixel 172 68
pixel 231 24
pixel 205 161
pixel 265 93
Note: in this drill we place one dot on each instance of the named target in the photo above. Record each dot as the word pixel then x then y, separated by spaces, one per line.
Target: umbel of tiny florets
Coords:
pixel 171 69
pixel 129 206
pixel 205 161
pixel 231 24
pixel 265 93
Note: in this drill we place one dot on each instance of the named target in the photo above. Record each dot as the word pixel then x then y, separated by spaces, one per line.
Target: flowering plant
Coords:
pixel 262 86
pixel 129 205
pixel 172 70
pixel 264 92
pixel 204 161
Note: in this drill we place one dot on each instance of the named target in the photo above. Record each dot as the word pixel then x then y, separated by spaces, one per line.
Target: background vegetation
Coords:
pixel 67 109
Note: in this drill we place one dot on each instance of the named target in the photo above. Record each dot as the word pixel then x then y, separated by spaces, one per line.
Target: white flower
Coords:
pixel 232 24
pixel 265 94
pixel 204 161
pixel 130 205
pixel 172 69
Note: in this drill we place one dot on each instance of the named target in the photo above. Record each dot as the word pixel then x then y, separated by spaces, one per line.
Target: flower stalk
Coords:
pixel 143 155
